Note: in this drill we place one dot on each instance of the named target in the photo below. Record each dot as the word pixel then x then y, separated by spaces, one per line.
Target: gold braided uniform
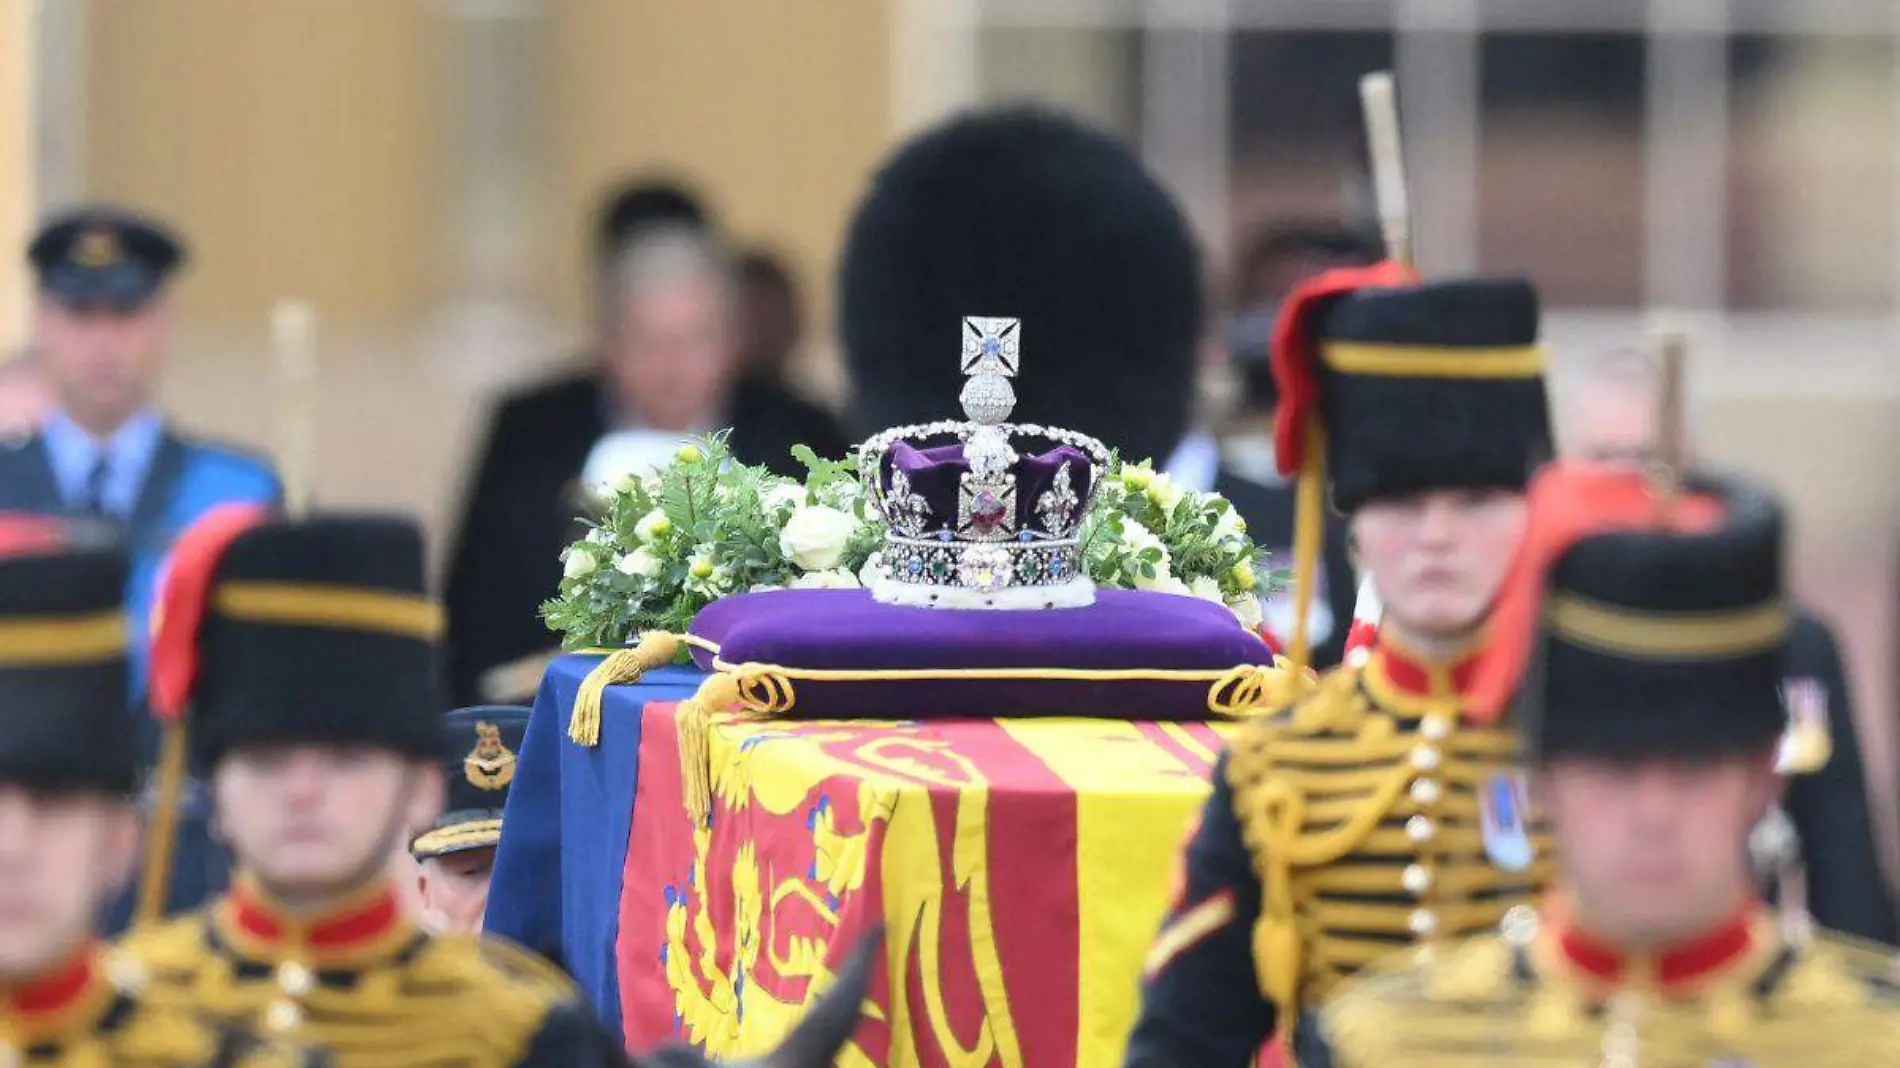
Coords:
pixel 370 989
pixel 1528 1004
pixel 1339 833
pixel 94 1015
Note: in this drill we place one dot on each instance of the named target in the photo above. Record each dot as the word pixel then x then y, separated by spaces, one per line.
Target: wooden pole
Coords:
pixel 1665 472
pixel 1378 97
pixel 294 350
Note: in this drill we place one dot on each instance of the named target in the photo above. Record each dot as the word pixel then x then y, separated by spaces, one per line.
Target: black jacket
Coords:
pixel 1847 891
pixel 520 510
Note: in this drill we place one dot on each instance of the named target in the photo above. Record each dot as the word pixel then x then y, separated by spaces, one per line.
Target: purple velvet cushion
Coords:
pixel 1124 630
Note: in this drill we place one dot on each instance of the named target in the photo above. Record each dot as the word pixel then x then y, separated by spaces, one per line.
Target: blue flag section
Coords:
pixel 556 886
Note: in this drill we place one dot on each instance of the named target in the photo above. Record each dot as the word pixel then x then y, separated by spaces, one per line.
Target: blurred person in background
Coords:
pixel 1279 256
pixel 25 398
pixel 1608 412
pixel 106 455
pixel 664 368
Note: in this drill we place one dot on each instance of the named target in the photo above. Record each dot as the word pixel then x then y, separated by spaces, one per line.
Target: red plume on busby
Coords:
pixel 183 598
pixel 1568 501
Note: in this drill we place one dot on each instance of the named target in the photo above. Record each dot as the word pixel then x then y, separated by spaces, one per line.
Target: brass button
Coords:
pixel 1426 792
pixel 282 1016
pixel 1435 727
pixel 1420 829
pixel 1417 879
pixel 1422 922
pixel 1358 657
pixel 296 979
pixel 1519 925
pixel 1425 758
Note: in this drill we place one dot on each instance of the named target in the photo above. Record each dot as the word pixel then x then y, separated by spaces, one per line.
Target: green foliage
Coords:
pixel 666 545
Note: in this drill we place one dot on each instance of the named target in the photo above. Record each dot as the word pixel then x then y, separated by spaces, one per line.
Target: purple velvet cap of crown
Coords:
pixel 848 630
pixel 935 474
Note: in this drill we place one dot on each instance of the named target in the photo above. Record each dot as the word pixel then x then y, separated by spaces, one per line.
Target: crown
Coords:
pixel 973 523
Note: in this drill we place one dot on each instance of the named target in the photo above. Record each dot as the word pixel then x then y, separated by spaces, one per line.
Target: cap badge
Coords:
pixel 490 765
pixel 96 248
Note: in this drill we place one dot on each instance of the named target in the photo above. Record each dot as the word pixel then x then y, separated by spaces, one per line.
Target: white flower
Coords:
pixel 1136 537
pixel 762 587
pixel 1206 588
pixel 872 570
pixel 834 579
pixel 1246 608
pixel 652 525
pixel 578 563
pixel 814 537
pixel 1230 525
pixel 600 536
pixel 640 563
pixel 1165 492
pixel 788 494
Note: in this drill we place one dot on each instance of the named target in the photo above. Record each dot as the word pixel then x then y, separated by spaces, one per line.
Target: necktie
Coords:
pixel 96 487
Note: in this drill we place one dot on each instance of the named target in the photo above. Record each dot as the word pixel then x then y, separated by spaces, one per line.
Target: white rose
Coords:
pixel 1230 525
pixel 872 570
pixel 600 536
pixel 1136 537
pixel 652 525
pixel 781 496
pixel 1246 608
pixel 763 587
pixel 1207 589
pixel 578 563
pixel 834 579
pixel 1165 492
pixel 639 563
pixel 814 537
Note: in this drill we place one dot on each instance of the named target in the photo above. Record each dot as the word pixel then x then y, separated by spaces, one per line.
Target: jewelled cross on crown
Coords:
pixel 986 497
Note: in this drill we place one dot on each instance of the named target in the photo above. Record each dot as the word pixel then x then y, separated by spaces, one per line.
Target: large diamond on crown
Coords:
pixel 974 521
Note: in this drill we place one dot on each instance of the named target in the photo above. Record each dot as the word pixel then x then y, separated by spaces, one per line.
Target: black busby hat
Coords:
pixel 1027 214
pixel 482 743
pixel 65 715
pixel 106 255
pixel 1664 641
pixel 314 631
pixel 1635 623
pixel 1432 386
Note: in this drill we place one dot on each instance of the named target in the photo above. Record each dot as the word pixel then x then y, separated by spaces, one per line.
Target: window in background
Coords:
pixel 1560 164
pixel 1813 164
pixel 1298 147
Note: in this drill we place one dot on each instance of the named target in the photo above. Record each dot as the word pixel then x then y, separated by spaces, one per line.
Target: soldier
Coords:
pixel 68 831
pixel 1609 415
pixel 457 854
pixel 1652 712
pixel 1375 812
pixel 308 654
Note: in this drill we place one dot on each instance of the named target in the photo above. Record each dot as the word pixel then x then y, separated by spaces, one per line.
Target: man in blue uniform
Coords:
pixel 106 453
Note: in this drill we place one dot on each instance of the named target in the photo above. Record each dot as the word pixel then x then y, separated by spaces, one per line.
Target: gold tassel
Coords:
pixel 155 881
pixel 657 648
pixel 695 721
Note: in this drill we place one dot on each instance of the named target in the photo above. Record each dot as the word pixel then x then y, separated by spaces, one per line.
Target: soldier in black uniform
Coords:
pixel 69 834
pixel 457 853
pixel 1652 711
pixel 308 654
pixel 1374 813
pixel 1609 415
